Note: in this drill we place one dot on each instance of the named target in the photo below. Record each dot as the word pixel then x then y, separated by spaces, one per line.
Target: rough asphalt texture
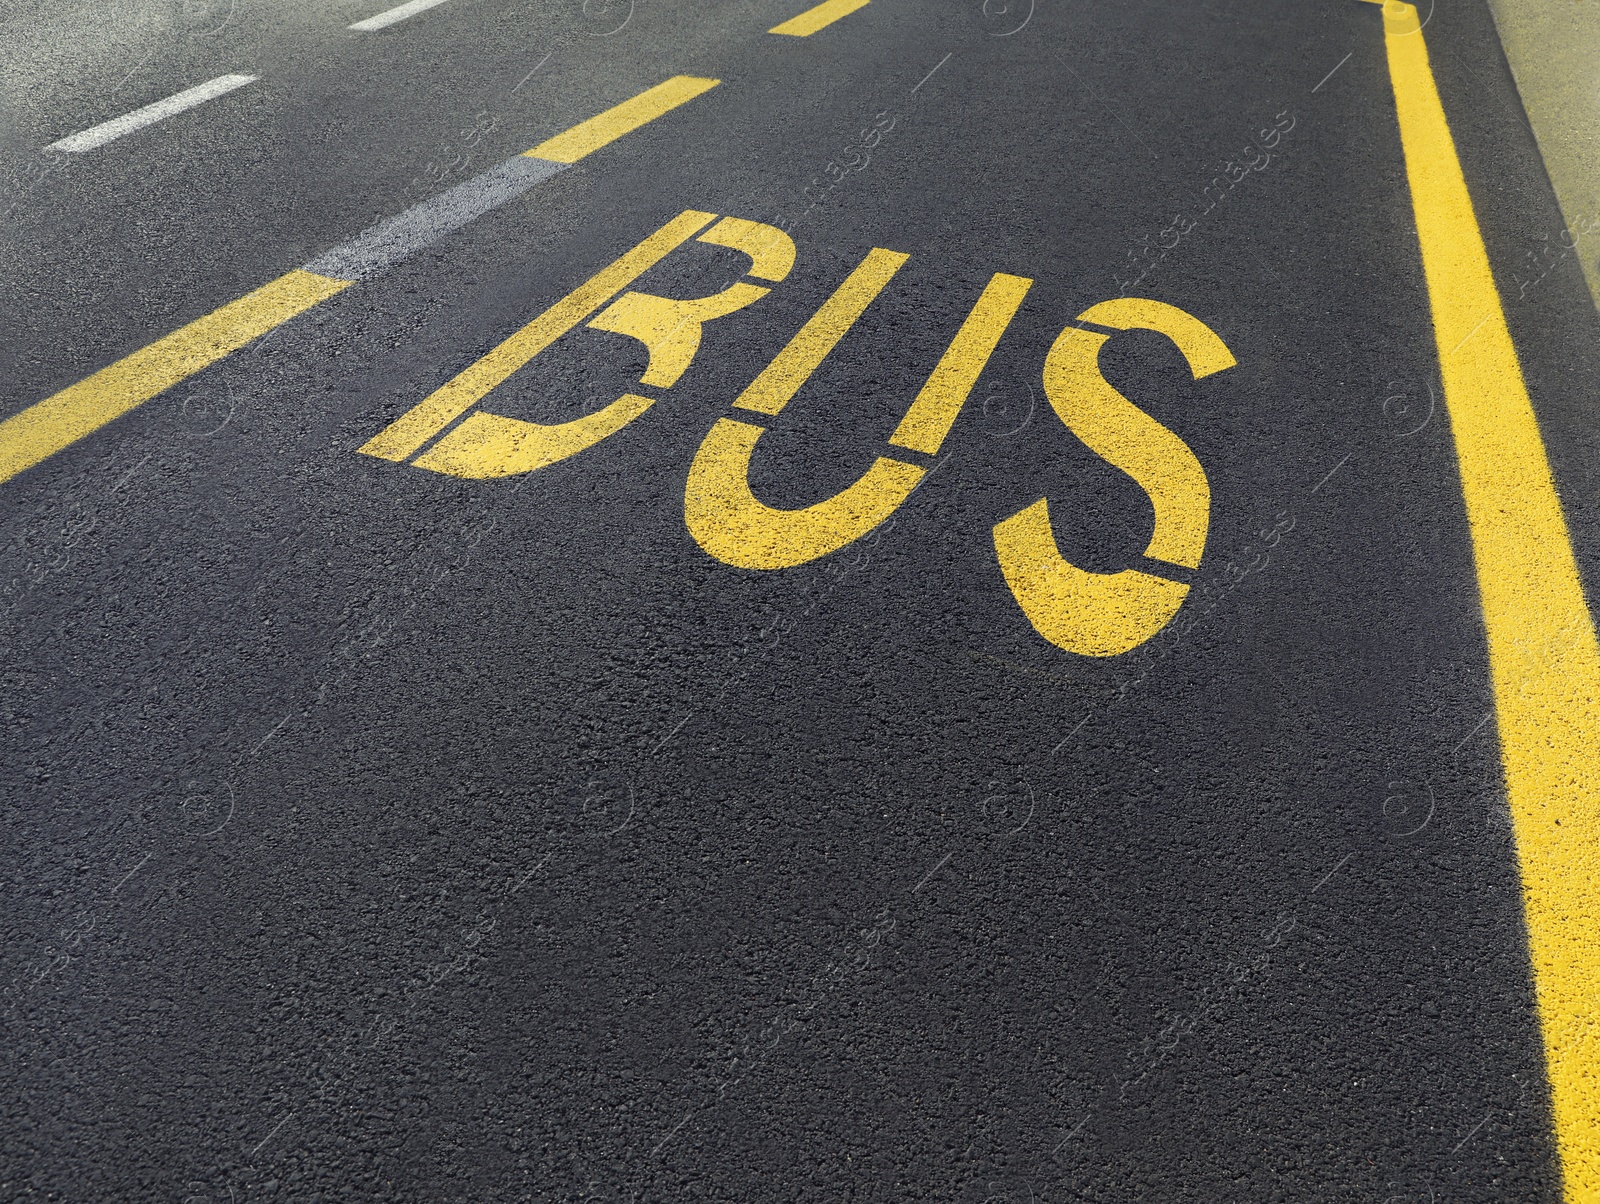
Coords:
pixel 378 835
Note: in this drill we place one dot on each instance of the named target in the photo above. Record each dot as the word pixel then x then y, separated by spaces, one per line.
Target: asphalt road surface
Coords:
pixel 1007 701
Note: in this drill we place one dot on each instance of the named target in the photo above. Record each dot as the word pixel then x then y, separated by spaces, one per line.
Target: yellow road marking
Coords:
pixel 490 445
pixel 1543 657
pixel 445 404
pixel 792 367
pixel 771 250
pixel 1107 614
pixel 729 522
pixel 1090 614
pixel 820 17
pixel 47 426
pixel 671 328
pixel 589 136
pixel 1124 435
pixel 934 411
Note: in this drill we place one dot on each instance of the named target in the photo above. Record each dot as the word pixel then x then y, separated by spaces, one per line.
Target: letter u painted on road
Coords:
pixel 732 524
pixel 1106 614
pixel 490 445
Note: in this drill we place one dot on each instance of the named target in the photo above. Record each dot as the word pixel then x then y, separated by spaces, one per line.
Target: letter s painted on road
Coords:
pixel 1107 614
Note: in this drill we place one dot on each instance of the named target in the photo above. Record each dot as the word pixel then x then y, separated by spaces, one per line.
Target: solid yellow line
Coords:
pixel 813 19
pixel 792 367
pixel 589 136
pixel 449 401
pixel 1543 657
pixel 934 411
pixel 47 426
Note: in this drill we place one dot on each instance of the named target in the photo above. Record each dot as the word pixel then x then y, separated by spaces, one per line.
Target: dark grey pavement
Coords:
pixel 375 834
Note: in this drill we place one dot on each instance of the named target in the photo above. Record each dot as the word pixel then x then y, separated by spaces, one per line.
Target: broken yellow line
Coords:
pixel 46 427
pixel 57 422
pixel 820 17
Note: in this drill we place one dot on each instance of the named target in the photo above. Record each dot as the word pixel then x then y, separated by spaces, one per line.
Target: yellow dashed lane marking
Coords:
pixel 1543 657
pixel 813 19
pixel 591 135
pixel 48 426
pixel 43 429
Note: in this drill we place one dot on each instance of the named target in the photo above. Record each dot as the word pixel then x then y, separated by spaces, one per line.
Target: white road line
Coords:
pixel 382 246
pixel 107 130
pixel 396 14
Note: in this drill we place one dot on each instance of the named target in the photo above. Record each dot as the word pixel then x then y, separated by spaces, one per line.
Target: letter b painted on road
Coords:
pixel 492 445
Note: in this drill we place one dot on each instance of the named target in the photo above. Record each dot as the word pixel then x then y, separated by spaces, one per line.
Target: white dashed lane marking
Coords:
pixel 107 131
pixel 390 16
pixel 426 222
